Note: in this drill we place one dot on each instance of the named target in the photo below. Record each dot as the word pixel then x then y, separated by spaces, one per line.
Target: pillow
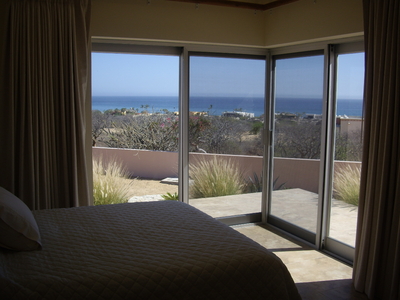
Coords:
pixel 18 228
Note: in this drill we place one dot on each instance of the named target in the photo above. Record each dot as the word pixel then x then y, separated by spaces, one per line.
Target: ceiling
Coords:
pixel 249 4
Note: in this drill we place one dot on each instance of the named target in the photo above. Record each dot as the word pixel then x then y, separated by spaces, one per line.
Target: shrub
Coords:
pixel 108 188
pixel 169 196
pixel 154 132
pixel 254 184
pixel 216 177
pixel 256 127
pixel 347 184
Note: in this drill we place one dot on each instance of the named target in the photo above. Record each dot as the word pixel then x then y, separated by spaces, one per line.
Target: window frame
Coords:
pixel 330 48
pixel 331 51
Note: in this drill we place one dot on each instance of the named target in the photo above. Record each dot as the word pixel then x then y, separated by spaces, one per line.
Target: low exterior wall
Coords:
pixel 292 172
pixel 248 165
pixel 142 163
pixel 303 173
pixel 161 164
pixel 297 173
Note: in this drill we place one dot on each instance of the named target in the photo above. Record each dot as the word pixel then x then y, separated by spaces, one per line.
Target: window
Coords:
pixel 348 132
pixel 297 127
pixel 201 113
pixel 226 118
pixel 135 106
pixel 317 142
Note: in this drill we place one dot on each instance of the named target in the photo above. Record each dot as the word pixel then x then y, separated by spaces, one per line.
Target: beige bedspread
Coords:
pixel 154 250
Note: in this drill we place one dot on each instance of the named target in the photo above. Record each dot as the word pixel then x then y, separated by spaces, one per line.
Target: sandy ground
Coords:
pixel 141 187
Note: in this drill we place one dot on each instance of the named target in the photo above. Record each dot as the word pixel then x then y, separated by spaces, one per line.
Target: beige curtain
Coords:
pixel 377 257
pixel 43 93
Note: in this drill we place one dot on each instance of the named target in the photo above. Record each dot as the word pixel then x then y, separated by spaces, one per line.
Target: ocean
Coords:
pixel 218 105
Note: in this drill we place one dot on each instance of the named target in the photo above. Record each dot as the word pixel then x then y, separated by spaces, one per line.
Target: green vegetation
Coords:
pixel 215 177
pixel 160 132
pixel 256 127
pixel 169 196
pixel 296 135
pixel 108 188
pixel 299 137
pixel 347 184
pixel 254 184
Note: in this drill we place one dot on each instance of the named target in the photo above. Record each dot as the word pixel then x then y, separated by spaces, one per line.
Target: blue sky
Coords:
pixel 215 76
pixel 155 75
pixel 300 77
pixel 134 75
pixel 350 76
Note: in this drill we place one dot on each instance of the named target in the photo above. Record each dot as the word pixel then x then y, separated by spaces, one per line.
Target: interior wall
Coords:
pixel 313 20
pixel 161 20
pixel 176 21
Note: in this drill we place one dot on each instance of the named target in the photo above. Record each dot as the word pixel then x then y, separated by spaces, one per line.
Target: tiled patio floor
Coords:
pixel 296 206
pixel 317 276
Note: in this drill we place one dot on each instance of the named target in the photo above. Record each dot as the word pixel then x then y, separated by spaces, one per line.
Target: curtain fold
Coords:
pixel 43 107
pixel 377 258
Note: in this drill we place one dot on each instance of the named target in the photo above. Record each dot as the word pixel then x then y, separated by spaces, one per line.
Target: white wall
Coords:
pixel 163 20
pixel 309 20
pixel 174 21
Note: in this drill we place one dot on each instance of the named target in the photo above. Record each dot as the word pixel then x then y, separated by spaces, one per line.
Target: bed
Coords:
pixel 152 250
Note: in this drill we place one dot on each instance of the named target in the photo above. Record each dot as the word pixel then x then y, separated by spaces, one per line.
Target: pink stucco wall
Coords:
pixel 297 173
pixel 294 173
pixel 142 163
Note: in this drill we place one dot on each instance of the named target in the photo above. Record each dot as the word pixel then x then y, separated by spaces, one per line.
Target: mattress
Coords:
pixel 153 250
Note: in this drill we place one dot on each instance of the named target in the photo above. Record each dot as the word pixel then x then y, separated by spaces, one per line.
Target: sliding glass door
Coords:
pixel 210 122
pixel 226 117
pixel 297 126
pixel 135 102
pixel 344 182
pixel 316 144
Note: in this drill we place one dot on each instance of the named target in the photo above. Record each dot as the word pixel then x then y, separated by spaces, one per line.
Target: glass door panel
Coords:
pixel 226 116
pixel 297 141
pixel 348 148
pixel 135 126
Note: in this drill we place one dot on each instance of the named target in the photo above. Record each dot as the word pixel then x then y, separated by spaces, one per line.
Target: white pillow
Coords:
pixel 18 227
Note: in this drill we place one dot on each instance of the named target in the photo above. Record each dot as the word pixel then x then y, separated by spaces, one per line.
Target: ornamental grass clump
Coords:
pixel 347 184
pixel 215 177
pixel 108 184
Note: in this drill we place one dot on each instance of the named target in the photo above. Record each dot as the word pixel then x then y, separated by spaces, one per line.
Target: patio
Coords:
pixel 296 206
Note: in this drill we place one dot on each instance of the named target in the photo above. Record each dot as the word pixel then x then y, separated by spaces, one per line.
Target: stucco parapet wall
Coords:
pixel 293 172
pixel 142 163
pixel 162 164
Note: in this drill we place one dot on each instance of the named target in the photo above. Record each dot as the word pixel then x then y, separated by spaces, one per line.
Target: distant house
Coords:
pixel 349 126
pixel 237 114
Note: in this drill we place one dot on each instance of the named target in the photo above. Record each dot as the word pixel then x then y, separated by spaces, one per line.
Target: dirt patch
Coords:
pixel 142 187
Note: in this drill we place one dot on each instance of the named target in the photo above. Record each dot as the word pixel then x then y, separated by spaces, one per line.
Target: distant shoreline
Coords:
pixel 219 105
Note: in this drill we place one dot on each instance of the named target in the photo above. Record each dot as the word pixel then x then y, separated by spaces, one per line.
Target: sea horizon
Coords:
pixel 219 105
